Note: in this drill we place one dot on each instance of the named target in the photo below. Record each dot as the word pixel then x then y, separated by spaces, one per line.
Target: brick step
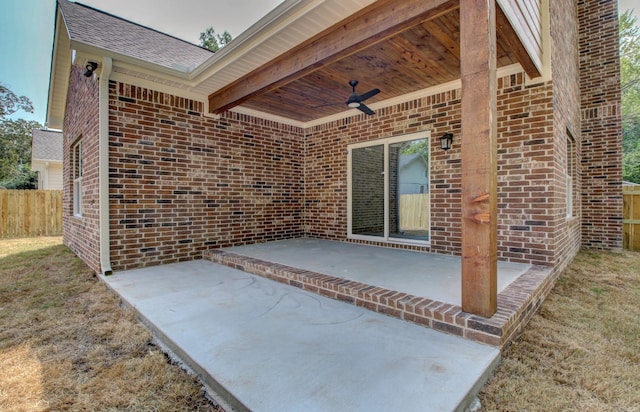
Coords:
pixel 516 304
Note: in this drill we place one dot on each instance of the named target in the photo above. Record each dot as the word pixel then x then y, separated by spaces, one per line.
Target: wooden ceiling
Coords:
pixel 417 57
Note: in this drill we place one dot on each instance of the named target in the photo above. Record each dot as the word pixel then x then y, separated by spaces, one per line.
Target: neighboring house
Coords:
pixel 46 158
pixel 170 150
pixel 413 175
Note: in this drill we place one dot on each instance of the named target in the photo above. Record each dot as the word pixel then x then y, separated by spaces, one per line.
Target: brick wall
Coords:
pixel 326 149
pixel 526 169
pixel 81 122
pixel 566 121
pixel 181 183
pixel 601 124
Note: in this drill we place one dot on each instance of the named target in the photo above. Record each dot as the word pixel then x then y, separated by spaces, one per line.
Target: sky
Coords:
pixel 26 33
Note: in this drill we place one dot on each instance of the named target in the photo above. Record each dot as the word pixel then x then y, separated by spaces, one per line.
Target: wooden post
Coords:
pixel 479 156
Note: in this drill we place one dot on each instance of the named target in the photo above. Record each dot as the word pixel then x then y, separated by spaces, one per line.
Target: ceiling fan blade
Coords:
pixel 364 109
pixel 368 94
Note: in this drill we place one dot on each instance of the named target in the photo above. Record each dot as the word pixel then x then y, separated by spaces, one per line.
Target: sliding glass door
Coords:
pixel 389 189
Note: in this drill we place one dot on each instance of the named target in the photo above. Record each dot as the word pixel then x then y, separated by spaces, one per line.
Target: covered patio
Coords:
pixel 423 288
pixel 399 49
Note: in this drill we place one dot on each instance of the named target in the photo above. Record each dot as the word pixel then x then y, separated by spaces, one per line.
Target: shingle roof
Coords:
pixel 47 145
pixel 103 30
pixel 406 160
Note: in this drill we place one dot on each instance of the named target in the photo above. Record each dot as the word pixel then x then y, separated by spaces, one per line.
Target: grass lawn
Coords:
pixel 581 352
pixel 66 344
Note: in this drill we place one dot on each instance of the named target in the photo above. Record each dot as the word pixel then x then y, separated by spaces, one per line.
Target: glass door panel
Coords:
pixel 367 186
pixel 408 202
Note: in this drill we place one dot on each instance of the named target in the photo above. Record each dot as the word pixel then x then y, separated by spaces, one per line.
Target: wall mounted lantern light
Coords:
pixel 446 141
pixel 90 67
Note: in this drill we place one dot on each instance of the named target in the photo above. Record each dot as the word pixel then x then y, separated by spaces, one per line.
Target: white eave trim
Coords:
pixel 278 19
pixel 60 60
pixel 82 47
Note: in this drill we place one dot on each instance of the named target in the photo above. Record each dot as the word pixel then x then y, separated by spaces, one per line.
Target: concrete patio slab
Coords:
pixel 419 287
pixel 428 275
pixel 266 346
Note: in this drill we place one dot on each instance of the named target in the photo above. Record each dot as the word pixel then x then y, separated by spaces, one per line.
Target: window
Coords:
pixel 571 172
pixel 389 189
pixel 76 174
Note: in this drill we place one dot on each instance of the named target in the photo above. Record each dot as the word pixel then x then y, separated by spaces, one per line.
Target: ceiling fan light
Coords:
pixel 353 104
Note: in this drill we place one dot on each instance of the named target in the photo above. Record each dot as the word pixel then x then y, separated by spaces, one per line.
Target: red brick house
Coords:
pixel 171 150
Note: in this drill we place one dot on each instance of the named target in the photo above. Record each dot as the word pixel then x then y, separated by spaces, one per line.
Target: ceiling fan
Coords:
pixel 355 100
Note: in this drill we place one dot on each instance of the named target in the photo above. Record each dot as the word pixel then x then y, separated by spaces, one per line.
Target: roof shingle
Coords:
pixel 105 31
pixel 46 145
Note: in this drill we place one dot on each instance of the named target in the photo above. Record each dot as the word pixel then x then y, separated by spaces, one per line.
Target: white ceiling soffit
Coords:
pixel 288 25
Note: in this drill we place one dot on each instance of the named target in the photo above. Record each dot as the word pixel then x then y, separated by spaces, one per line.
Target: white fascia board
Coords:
pixel 278 19
pixel 60 62
pixel 52 161
pixel 82 47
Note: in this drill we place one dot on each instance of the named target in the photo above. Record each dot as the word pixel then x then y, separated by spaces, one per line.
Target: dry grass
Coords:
pixel 65 343
pixel 582 351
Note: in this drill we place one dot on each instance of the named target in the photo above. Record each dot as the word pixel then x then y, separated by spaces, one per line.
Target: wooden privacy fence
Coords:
pixel 631 217
pixel 414 211
pixel 30 213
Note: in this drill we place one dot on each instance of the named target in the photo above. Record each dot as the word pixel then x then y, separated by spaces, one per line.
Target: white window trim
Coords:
pixel 77 181
pixel 570 172
pixel 385 142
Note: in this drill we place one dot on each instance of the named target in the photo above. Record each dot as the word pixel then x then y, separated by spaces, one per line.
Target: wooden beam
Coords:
pixel 509 35
pixel 375 23
pixel 479 156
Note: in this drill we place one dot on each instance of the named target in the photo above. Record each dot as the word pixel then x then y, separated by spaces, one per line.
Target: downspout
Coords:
pixel 103 166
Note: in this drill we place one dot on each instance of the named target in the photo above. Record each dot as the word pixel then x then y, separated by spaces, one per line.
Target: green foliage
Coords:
pixel 15 146
pixel 630 86
pixel 213 41
pixel 15 142
pixel 420 146
pixel 631 165
pixel 11 103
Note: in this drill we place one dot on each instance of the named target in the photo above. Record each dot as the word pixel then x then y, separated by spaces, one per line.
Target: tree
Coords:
pixel 213 41
pixel 11 103
pixel 15 142
pixel 630 87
